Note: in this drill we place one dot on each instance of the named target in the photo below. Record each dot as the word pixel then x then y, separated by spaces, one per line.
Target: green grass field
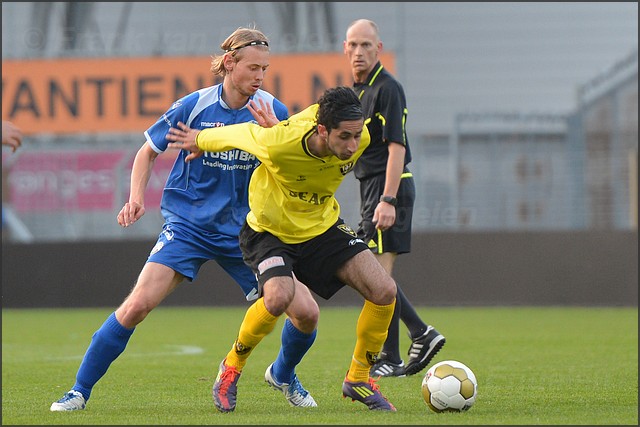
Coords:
pixel 534 366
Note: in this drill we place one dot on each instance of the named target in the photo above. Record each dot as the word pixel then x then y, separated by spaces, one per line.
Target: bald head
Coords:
pixel 362 46
pixel 364 26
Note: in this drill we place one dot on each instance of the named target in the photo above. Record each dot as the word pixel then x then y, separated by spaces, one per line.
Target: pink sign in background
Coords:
pixel 84 180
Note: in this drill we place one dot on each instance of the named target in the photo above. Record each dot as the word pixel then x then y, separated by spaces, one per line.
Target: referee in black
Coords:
pixel 387 192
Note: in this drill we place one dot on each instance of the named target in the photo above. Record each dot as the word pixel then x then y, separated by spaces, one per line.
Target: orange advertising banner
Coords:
pixel 124 95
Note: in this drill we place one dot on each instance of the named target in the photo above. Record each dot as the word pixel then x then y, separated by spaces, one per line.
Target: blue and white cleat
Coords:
pixel 294 392
pixel 71 401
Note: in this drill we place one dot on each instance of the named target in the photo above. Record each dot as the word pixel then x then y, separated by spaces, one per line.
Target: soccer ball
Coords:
pixel 449 386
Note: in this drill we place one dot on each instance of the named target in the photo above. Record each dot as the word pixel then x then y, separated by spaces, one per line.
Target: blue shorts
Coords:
pixel 185 250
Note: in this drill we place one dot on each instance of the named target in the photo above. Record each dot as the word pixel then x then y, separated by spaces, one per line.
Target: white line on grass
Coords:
pixel 179 350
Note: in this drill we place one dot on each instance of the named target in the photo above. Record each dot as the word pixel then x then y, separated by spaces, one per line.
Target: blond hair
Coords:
pixel 242 37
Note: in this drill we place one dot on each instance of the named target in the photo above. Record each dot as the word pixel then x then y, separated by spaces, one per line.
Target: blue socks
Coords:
pixel 107 344
pixel 294 346
pixel 110 340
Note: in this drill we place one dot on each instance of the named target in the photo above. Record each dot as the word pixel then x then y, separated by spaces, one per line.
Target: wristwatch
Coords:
pixel 389 199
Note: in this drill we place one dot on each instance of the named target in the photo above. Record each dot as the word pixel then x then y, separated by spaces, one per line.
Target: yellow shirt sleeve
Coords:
pixel 244 136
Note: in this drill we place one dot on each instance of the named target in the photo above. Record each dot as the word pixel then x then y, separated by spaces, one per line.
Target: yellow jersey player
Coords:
pixel 294 228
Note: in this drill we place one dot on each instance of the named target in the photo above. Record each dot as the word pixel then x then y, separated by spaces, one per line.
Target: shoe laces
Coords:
pixel 372 382
pixel 296 387
pixel 227 378
pixel 70 395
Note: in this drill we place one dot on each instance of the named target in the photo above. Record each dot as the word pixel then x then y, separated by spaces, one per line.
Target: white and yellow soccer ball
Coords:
pixel 449 386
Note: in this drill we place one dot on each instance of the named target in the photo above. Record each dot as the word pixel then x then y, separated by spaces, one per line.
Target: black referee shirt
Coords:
pixel 383 102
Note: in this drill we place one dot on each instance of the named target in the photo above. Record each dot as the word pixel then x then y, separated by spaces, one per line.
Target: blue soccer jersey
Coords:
pixel 210 192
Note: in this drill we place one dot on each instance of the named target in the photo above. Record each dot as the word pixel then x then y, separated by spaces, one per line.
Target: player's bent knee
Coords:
pixel 133 312
pixel 277 303
pixel 386 293
pixel 306 324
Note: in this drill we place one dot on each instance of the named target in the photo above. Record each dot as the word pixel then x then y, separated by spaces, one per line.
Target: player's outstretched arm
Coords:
pixel 143 163
pixel 184 139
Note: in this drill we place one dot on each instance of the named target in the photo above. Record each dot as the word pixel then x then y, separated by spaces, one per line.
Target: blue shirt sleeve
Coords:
pixel 280 110
pixel 178 112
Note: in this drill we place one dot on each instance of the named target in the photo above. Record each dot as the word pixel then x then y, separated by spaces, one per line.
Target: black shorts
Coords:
pixel 397 238
pixel 314 262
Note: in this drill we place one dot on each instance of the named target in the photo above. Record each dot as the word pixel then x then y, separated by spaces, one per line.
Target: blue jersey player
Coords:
pixel 204 204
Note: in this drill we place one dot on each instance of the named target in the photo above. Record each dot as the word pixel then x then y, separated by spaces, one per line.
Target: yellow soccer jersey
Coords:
pixel 292 193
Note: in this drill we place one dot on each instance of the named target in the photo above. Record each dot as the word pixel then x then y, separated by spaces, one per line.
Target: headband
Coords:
pixel 251 43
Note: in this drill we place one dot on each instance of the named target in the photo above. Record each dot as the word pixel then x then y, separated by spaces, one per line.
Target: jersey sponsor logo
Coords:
pixel 226 166
pixel 301 178
pixel 230 160
pixel 176 105
pixel 346 168
pixel 313 198
pixel 346 229
pixel 354 242
pixel 274 261
pixel 231 155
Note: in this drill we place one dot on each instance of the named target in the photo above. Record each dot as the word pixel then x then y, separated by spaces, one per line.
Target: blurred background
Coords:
pixel 523 125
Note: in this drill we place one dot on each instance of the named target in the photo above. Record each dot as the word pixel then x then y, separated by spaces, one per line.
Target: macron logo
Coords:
pixel 211 124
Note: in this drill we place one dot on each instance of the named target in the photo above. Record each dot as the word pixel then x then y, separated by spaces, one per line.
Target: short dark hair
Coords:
pixel 337 105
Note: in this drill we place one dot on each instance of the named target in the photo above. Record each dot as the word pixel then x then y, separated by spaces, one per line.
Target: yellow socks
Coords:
pixel 371 332
pixel 257 324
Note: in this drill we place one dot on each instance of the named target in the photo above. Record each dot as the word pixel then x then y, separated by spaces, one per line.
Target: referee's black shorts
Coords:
pixel 397 238
pixel 314 262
